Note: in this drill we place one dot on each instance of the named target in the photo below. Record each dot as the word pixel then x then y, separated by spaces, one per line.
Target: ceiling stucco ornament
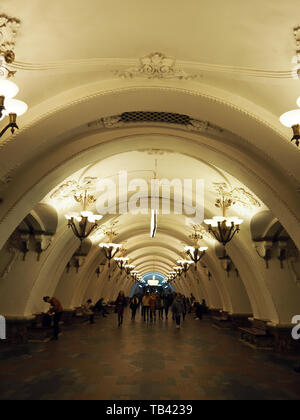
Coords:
pixel 200 229
pixel 155 66
pixel 297 39
pixel 143 117
pixel 74 187
pixel 9 27
pixel 296 58
pixel 239 196
pixel 203 126
pixel 107 122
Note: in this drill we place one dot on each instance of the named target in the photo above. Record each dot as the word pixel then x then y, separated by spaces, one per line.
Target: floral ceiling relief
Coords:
pixel 156 66
pixel 239 196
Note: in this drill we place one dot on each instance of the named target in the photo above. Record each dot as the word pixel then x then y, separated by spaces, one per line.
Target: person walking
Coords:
pixel 56 309
pixel 120 306
pixel 184 307
pixel 167 303
pixel 160 304
pixel 89 310
pixel 134 304
pixel 198 311
pixel 146 306
pixel 177 309
pixel 152 302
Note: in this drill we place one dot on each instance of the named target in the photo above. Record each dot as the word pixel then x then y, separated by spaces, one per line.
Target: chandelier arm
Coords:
pixel 13 126
pixel 106 253
pixel 75 230
pixel 200 256
pixel 234 233
pixel 91 230
pixel 229 233
pixel 218 238
pixel 222 239
pixel 85 223
pixel 115 253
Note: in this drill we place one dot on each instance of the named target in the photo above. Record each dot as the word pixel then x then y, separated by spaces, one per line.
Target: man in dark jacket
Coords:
pixel 168 301
pixel 177 309
pixel 56 310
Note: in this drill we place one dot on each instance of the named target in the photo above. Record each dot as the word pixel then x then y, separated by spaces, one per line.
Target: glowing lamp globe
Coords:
pixel 8 89
pixel 14 106
pixel 291 118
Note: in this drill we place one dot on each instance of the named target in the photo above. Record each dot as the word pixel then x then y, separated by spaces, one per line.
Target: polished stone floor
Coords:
pixel 143 362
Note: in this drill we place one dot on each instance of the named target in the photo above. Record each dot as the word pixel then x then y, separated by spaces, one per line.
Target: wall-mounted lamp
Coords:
pixel 264 251
pixel 282 252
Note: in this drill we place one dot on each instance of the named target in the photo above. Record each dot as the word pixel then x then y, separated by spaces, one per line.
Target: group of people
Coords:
pixel 56 310
pixel 153 306
pixel 156 305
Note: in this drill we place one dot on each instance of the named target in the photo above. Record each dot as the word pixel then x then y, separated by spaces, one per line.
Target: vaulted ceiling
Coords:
pixel 227 66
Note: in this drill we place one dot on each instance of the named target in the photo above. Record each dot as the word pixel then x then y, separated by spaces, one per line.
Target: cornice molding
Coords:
pixel 154 65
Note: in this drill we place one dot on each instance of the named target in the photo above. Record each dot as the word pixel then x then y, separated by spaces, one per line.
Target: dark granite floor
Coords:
pixel 144 362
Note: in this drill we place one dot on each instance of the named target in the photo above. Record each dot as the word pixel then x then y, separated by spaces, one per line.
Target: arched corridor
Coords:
pixel 151 161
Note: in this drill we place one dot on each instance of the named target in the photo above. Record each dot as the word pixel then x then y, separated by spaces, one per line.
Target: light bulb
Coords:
pixel 189 248
pixel 14 106
pixel 291 118
pixel 86 214
pixel 219 219
pixel 8 89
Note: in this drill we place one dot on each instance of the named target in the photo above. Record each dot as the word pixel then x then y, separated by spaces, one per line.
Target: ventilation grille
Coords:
pixel 161 117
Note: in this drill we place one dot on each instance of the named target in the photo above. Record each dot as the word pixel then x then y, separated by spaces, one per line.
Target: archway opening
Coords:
pixel 152 282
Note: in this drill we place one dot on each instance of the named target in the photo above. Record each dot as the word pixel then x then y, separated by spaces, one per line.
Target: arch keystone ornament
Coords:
pixel 155 66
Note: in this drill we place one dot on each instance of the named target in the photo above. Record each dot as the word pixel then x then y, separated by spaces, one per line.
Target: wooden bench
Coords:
pixel 222 321
pixel 257 335
pixel 37 332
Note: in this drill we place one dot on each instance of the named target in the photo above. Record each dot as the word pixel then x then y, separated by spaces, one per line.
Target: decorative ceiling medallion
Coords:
pixel 155 66
pixel 9 27
pixel 73 187
pixel 239 196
